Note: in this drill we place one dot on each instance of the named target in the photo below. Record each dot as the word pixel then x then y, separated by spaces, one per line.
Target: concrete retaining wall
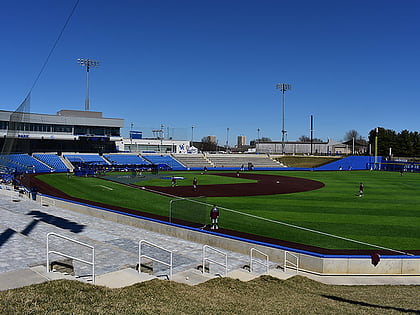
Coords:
pixel 311 262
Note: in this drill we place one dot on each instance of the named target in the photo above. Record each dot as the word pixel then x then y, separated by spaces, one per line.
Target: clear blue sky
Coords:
pixel 214 64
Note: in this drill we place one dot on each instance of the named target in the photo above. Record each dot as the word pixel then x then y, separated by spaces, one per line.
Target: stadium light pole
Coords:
pixel 192 134
pixel 227 138
pixel 258 140
pixel 131 134
pixel 376 148
pixel 88 63
pixel 283 87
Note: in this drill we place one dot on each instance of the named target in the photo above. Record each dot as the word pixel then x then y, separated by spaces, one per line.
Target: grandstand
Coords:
pixel 24 163
pixel 126 159
pixel 351 163
pixel 243 160
pixel 164 160
pixel 52 160
pixel 193 161
pixel 92 159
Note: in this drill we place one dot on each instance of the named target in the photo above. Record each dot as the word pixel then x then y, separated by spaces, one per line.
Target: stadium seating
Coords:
pixel 52 160
pixel 93 159
pixel 126 159
pixel 164 160
pixel 350 163
pixel 193 161
pixel 239 160
pixel 24 163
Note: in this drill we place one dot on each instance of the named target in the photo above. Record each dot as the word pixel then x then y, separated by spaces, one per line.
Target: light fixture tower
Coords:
pixel 227 138
pixel 192 135
pixel 283 87
pixel 376 148
pixel 88 63
pixel 258 140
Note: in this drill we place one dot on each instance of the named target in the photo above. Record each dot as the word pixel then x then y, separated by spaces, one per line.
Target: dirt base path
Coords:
pixel 265 185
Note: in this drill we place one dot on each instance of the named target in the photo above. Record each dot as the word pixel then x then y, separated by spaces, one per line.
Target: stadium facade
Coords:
pixel 77 131
pixel 67 131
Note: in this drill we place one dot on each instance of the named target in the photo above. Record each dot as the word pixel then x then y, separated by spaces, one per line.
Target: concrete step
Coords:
pixel 280 274
pixel 122 278
pixel 243 275
pixel 192 277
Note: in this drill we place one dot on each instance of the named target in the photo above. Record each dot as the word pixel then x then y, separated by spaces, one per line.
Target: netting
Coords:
pixel 12 143
pixel 190 211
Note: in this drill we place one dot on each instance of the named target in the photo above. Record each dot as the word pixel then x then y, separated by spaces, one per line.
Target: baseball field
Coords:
pixel 313 210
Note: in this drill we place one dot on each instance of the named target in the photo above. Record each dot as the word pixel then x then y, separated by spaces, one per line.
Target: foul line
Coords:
pixel 284 223
pixel 304 229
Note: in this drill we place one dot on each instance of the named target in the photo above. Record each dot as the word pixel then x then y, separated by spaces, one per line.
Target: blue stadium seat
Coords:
pixel 53 161
pixel 165 159
pixel 24 163
pixel 126 159
pixel 93 159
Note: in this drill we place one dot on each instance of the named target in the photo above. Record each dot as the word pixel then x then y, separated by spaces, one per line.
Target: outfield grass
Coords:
pixel 265 295
pixel 203 179
pixel 388 215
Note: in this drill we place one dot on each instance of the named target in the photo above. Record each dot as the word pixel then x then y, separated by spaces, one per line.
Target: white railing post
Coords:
pixel 214 261
pixel 296 265
pixel 170 264
pixel 251 266
pixel 92 263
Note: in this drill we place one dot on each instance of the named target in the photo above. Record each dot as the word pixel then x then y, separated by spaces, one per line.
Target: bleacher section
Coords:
pixel 24 163
pixel 193 161
pixel 126 159
pixel 53 161
pixel 260 161
pixel 351 163
pixel 93 159
pixel 165 160
pixel 41 163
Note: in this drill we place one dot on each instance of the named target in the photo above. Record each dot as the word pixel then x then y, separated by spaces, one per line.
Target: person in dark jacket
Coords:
pixel 361 188
pixel 214 216
pixel 195 182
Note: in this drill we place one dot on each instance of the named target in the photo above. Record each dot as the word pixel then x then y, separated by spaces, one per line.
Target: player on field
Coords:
pixel 195 184
pixel 361 187
pixel 214 216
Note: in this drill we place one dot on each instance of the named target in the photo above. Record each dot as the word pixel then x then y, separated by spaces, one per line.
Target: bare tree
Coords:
pixel 351 134
pixel 308 139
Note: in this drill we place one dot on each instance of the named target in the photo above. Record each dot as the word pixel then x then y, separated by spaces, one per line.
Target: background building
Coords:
pixel 68 130
pixel 317 148
pixel 241 141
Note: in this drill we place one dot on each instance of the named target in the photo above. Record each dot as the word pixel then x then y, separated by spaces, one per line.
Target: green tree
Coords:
pixel 404 144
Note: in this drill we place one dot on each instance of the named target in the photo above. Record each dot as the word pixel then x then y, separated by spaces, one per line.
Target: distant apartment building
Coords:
pixel 241 141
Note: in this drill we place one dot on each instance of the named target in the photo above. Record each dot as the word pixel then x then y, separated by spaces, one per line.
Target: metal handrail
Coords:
pixel 291 263
pixel 170 264
pixel 213 261
pixel 69 256
pixel 256 261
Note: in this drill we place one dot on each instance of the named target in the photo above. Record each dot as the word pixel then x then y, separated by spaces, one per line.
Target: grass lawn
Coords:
pixel 387 215
pixel 265 295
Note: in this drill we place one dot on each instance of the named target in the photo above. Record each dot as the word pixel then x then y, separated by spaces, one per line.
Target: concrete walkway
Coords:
pixel 23 236
pixel 25 224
